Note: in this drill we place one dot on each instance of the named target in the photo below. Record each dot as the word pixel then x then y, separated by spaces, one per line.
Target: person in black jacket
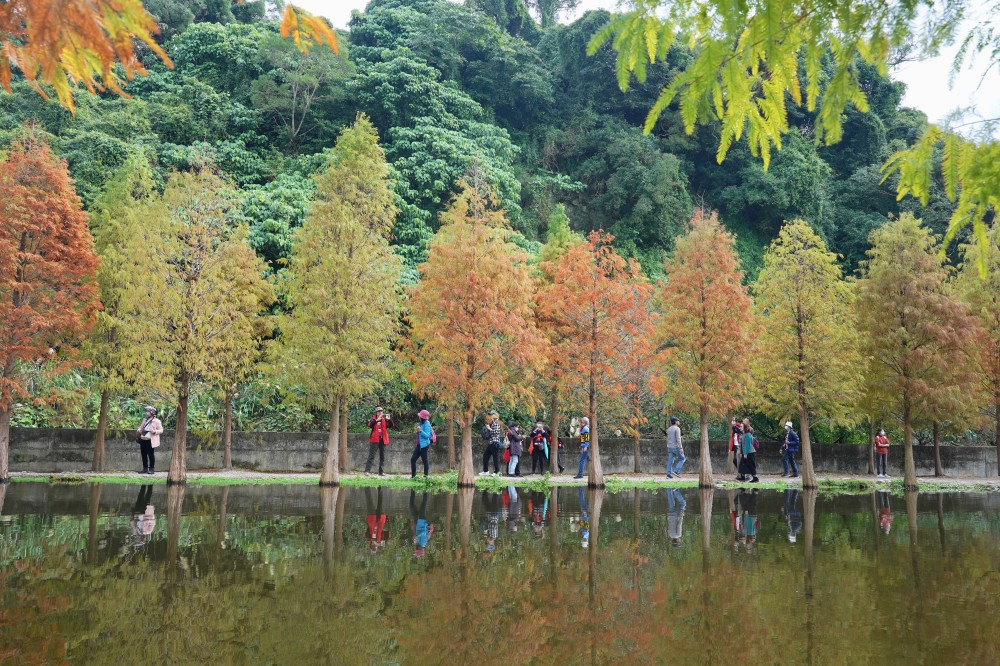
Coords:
pixel 540 436
pixel 491 434
pixel 789 448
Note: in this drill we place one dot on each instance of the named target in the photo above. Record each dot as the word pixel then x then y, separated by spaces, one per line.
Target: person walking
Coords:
pixel 540 436
pixel 514 437
pixel 748 464
pixel 379 423
pixel 881 454
pixel 675 448
pixel 492 435
pixel 734 442
pixel 425 435
pixel 584 445
pixel 789 449
pixel 675 515
pixel 148 437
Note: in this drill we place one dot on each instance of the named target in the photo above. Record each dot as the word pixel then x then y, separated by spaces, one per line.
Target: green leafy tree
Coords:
pixel 194 285
pixel 114 222
pixel 806 359
pixel 916 336
pixel 341 285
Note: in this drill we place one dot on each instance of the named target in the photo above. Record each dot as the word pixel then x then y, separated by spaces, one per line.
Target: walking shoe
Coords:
pixel 151 471
pixel 755 480
pixel 144 470
pixel 669 476
pixel 484 474
pixel 793 476
pixel 577 477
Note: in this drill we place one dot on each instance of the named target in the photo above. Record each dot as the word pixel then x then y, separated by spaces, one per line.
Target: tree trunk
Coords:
pixel 938 468
pixel 4 443
pixel 808 471
pixel 635 453
pixel 466 475
pixel 909 466
pixel 331 467
pixel 102 425
pixel 705 478
pixel 554 444
pixel 451 443
pixel 178 465
pixel 595 477
pixel 93 512
pixel 871 446
pixel 227 430
pixel 345 462
pixel 3 494
pixel 996 435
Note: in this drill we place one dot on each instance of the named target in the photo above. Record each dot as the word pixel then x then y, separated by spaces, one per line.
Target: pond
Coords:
pixel 298 575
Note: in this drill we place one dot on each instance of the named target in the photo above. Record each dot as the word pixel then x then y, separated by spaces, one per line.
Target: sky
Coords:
pixel 927 82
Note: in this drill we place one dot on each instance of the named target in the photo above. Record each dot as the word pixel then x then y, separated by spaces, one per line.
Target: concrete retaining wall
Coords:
pixel 71 450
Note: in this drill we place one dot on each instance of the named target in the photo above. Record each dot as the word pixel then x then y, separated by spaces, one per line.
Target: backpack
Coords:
pixel 434 436
pixel 756 444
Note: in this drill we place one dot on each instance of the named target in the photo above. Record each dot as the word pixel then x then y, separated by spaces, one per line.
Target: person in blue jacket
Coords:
pixel 789 450
pixel 425 434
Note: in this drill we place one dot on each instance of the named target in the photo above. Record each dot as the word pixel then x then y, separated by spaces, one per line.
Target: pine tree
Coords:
pixel 341 285
pixel 706 328
pixel 48 290
pixel 591 287
pixel 473 342
pixel 114 222
pixel 194 283
pixel 915 334
pixel 807 359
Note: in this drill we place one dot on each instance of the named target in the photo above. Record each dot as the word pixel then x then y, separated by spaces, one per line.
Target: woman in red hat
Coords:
pixel 425 435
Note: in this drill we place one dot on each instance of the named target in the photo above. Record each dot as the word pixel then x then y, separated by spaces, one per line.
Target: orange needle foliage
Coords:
pixel 48 286
pixel 591 287
pixel 473 341
pixel 707 327
pixel 62 43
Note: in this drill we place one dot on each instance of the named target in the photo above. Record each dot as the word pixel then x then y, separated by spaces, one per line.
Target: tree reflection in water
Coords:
pixel 297 580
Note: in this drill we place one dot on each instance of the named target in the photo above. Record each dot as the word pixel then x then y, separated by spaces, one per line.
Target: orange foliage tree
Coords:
pixel 637 371
pixel 62 43
pixel 48 286
pixel 917 336
pixel 706 327
pixel 591 286
pixel 473 340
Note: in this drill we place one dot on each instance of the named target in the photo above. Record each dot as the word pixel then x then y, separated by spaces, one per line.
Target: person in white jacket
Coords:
pixel 148 437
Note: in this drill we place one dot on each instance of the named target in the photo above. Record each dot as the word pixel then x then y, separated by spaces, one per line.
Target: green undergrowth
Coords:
pixel 447 482
pixel 768 485
pixel 614 484
pixel 496 484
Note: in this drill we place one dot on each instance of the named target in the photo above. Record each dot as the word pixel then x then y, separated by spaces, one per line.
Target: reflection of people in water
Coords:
pixel 491 523
pixel 539 505
pixel 675 515
pixel 375 536
pixel 513 510
pixel 748 521
pixel 884 512
pixel 143 516
pixel 584 520
pixel 792 515
pixel 422 530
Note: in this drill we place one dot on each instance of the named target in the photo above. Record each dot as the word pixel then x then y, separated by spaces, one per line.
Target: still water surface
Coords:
pixel 295 575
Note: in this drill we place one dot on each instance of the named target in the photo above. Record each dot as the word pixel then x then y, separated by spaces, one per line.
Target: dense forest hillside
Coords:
pixel 449 87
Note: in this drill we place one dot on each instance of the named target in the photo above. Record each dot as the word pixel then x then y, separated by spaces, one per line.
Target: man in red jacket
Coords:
pixel 379 439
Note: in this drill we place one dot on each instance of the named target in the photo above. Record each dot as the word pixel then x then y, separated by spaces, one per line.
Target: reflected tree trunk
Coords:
pixel 553 519
pixel 223 505
pixel 596 500
pixel 175 505
pixel 449 507
pixel 328 498
pixel 94 512
pixel 809 527
pixel 911 522
pixel 708 630
pixel 345 461
pixel 940 512
pixel 97 464
pixel 636 509
pixel 876 527
pixel 339 527
pixel 465 498
pixel 871 445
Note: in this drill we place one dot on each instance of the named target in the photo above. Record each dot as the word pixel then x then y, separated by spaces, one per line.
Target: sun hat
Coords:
pixel 423 414
pixel 788 424
pixel 150 408
pixel 379 409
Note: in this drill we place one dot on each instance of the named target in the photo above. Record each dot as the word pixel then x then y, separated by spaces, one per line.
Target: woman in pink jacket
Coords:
pixel 148 436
